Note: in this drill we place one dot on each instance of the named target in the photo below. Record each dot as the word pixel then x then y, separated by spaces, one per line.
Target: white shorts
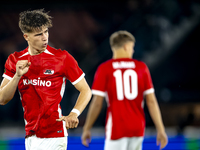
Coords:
pixel 133 143
pixel 35 143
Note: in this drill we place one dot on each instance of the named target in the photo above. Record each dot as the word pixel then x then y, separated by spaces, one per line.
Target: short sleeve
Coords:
pixel 99 83
pixel 71 69
pixel 148 87
pixel 10 67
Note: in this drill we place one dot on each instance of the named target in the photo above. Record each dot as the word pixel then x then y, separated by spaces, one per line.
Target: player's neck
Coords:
pixel 120 54
pixel 33 51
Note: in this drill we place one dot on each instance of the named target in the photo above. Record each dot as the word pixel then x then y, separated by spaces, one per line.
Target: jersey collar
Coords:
pixel 27 53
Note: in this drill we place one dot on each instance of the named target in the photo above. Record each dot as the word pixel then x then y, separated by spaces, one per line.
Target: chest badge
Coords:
pixel 49 71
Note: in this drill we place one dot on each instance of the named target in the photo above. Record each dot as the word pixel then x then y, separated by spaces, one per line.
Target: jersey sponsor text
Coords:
pixel 37 82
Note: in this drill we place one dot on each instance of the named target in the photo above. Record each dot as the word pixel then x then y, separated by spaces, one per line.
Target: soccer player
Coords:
pixel 40 73
pixel 125 83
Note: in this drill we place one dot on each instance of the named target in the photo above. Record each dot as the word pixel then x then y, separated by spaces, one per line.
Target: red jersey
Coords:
pixel 123 82
pixel 42 87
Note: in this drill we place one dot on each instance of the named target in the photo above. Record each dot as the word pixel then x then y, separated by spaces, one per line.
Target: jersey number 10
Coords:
pixel 126 84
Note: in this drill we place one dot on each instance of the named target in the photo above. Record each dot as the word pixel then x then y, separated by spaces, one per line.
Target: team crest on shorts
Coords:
pixel 49 71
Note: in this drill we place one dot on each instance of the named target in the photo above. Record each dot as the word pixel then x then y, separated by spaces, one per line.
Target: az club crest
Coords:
pixel 49 71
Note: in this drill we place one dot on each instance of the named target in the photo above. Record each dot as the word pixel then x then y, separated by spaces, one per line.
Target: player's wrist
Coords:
pixel 17 76
pixel 160 129
pixel 76 111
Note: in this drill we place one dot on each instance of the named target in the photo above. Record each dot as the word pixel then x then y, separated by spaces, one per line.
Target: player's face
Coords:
pixel 130 49
pixel 37 40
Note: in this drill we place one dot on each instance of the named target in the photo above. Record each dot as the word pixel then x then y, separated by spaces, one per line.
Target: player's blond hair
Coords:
pixel 119 38
pixel 34 20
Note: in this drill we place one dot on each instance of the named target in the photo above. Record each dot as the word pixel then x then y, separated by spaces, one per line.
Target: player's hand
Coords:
pixel 71 120
pixel 162 139
pixel 22 67
pixel 86 137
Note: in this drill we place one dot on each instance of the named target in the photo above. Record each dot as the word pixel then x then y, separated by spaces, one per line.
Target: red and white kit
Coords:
pixel 123 82
pixel 42 88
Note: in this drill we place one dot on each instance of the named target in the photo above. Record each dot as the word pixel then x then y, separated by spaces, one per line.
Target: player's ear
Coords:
pixel 25 36
pixel 125 46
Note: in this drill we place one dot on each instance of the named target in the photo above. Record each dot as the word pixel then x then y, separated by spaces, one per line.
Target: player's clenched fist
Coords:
pixel 22 67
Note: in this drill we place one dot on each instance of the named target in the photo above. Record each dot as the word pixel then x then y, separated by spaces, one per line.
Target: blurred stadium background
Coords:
pixel 167 40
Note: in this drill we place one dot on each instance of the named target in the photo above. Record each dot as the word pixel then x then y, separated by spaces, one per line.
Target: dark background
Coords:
pixel 167 40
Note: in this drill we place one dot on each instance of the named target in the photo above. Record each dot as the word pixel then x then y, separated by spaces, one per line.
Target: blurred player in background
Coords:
pixel 40 73
pixel 125 83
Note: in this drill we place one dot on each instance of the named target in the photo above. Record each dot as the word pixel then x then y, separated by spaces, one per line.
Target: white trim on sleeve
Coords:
pixel 148 91
pixel 6 76
pixel 100 93
pixel 79 79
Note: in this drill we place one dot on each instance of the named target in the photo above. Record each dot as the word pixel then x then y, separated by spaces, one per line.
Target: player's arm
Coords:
pixel 84 96
pixel 155 114
pixel 93 113
pixel 83 99
pixel 8 87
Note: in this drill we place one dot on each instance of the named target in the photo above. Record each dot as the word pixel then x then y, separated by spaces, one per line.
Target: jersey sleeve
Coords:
pixel 148 87
pixel 71 69
pixel 10 67
pixel 99 83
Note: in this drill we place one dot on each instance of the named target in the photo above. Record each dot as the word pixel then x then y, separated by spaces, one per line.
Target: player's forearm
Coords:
pixel 155 113
pixel 7 92
pixel 156 116
pixel 93 112
pixel 83 99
